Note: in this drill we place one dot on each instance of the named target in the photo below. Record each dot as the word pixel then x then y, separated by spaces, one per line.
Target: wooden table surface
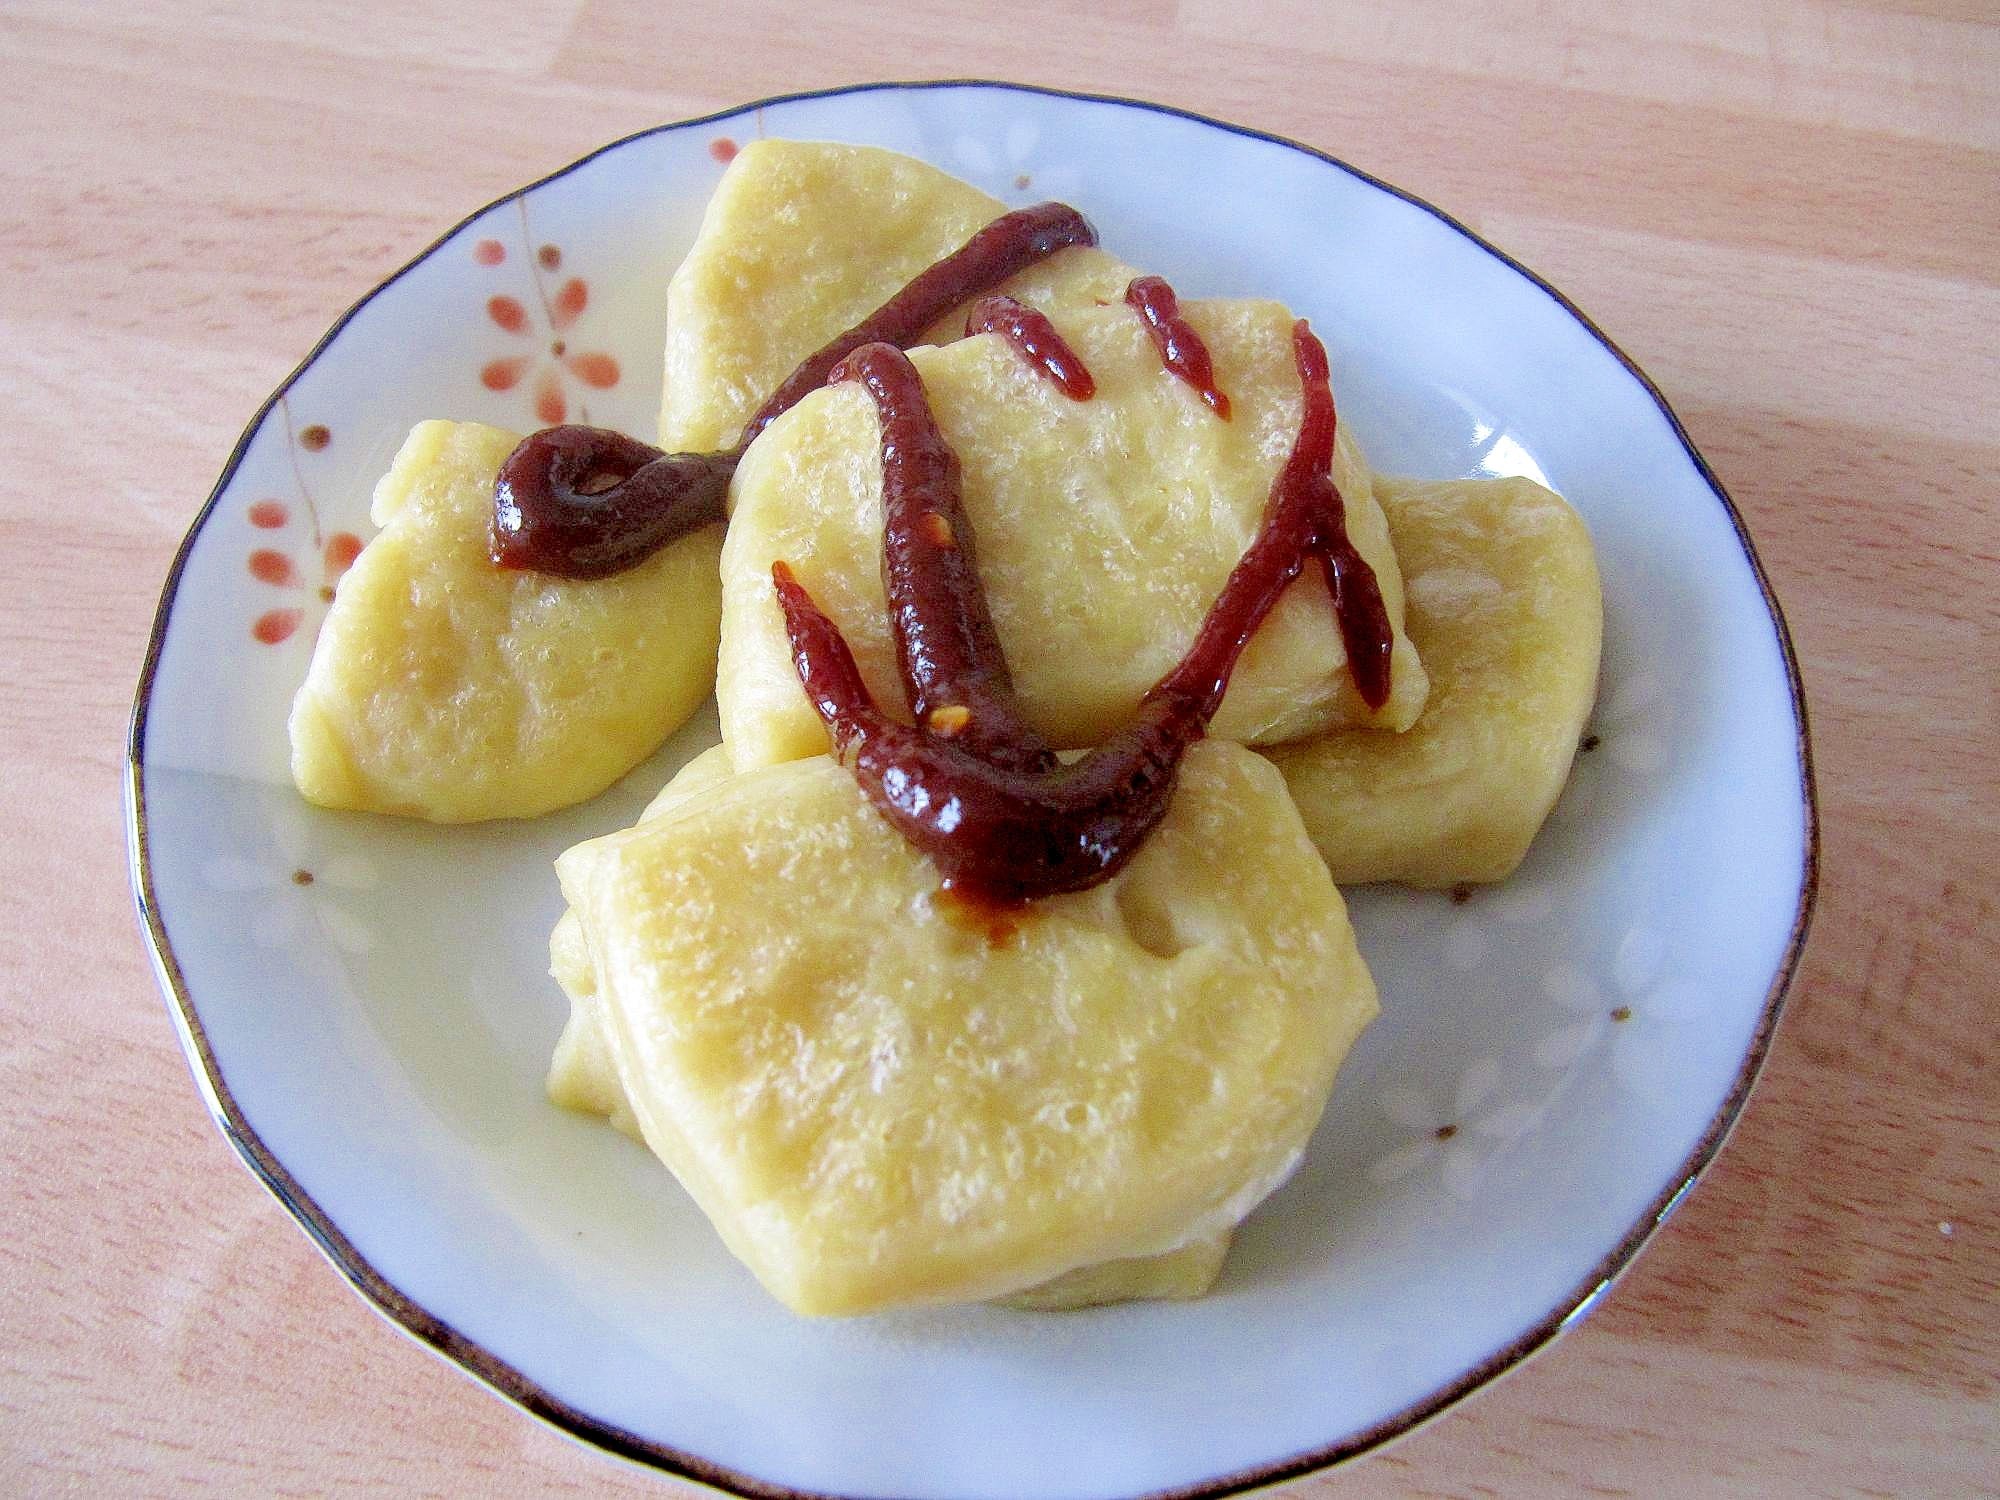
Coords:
pixel 1788 212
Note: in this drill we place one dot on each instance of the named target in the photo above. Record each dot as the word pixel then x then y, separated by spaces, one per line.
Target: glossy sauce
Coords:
pixel 1002 819
pixel 954 671
pixel 1032 336
pixel 1006 247
pixel 1181 349
pixel 1305 518
pixel 585 502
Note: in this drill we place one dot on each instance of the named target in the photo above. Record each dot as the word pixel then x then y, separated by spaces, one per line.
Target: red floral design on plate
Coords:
pixel 268 566
pixel 543 377
pixel 276 567
pixel 340 551
pixel 275 625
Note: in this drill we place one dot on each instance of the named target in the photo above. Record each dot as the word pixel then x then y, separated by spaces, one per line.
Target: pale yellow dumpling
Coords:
pixel 878 1107
pixel 1503 600
pixel 444 688
pixel 1104 531
pixel 584 1077
pixel 804 239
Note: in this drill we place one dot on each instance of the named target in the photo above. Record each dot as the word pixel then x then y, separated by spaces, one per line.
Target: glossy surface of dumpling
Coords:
pixel 804 239
pixel 1503 601
pixel 1104 531
pixel 444 688
pixel 879 1104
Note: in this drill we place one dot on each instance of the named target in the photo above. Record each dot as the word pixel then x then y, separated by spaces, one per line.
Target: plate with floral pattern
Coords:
pixel 365 1005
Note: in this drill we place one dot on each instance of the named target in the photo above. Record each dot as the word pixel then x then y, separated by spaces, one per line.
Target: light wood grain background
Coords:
pixel 1788 212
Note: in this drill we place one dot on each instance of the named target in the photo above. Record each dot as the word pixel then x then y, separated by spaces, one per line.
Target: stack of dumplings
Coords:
pixel 877 1102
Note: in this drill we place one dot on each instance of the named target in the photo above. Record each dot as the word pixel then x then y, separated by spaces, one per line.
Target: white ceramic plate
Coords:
pixel 364 1001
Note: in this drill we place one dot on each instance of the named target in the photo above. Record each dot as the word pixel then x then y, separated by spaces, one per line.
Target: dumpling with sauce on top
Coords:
pixel 1103 531
pixel 443 687
pixel 584 1077
pixel 879 1103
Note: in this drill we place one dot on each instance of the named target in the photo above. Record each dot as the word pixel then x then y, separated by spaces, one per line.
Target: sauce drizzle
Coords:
pixel 1006 247
pixel 954 671
pixel 1305 518
pixel 1032 336
pixel 1181 349
pixel 988 802
pixel 585 502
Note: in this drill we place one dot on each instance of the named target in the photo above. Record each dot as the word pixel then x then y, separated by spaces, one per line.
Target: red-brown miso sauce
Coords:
pixel 1000 818
pixel 1006 247
pixel 1181 349
pixel 954 672
pixel 584 502
pixel 1305 518
pixel 1032 336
